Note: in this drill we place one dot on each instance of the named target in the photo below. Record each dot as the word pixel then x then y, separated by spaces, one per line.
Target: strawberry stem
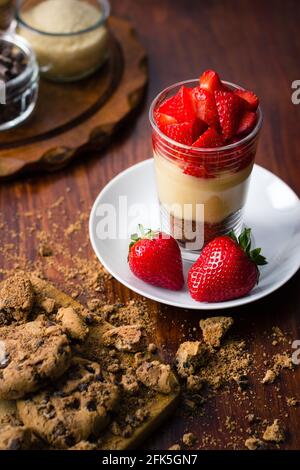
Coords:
pixel 244 241
pixel 144 233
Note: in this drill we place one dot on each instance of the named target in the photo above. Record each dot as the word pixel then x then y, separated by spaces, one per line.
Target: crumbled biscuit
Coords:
pixel 175 447
pixel 252 443
pixel 190 356
pixel 189 439
pixel 214 329
pixel 128 338
pixel 48 305
pixel 72 323
pixel 157 376
pixel 16 299
pixel 269 377
pixel 274 432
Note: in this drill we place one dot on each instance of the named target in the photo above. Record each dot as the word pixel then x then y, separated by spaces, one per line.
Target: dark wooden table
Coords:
pixel 254 43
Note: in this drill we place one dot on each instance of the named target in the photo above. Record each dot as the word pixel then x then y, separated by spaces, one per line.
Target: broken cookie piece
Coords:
pixel 72 323
pixel 214 329
pixel 128 338
pixel 157 376
pixel 269 377
pixel 15 437
pixel 191 356
pixel 74 408
pixel 194 383
pixel 189 439
pixel 129 382
pixel 252 443
pixel 274 432
pixel 48 305
pixel 16 299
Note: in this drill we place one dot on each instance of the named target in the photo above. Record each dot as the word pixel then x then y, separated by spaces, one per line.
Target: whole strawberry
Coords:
pixel 226 269
pixel 156 259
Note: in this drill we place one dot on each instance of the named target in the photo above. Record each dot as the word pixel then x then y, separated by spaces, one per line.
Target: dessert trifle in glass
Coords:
pixel 204 134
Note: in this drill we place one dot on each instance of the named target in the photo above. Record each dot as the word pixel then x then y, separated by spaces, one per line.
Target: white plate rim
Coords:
pixel 198 305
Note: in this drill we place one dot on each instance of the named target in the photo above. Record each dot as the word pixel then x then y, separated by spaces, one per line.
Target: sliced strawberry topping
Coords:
pixel 209 139
pixel 210 81
pixel 197 171
pixel 205 106
pixel 182 132
pixel 179 106
pixel 230 108
pixel 247 122
pixel 163 119
pixel 249 97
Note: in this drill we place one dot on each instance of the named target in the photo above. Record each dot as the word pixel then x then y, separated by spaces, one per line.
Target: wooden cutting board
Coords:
pixel 72 119
pixel 159 407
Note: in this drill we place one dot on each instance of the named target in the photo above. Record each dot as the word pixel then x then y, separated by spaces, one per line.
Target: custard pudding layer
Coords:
pixel 221 196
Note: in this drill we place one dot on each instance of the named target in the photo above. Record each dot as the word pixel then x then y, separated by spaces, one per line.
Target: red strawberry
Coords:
pixel 163 119
pixel 205 106
pixel 210 138
pixel 210 81
pixel 156 259
pixel 226 269
pixel 230 107
pixel 184 132
pixel 249 97
pixel 199 171
pixel 247 122
pixel 179 106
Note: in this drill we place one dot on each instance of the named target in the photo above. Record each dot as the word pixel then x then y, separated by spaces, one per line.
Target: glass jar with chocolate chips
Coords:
pixel 19 76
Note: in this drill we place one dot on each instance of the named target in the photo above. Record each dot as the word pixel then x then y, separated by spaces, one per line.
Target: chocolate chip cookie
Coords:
pixel 75 409
pixel 16 299
pixel 15 437
pixel 30 355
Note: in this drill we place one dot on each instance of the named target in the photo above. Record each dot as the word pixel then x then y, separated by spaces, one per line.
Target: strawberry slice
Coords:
pixel 205 106
pixel 163 119
pixel 230 108
pixel 210 81
pixel 209 139
pixel 179 106
pixel 247 123
pixel 250 99
pixel 182 132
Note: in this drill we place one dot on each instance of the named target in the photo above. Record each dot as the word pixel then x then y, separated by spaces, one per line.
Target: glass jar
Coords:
pixel 19 94
pixel 201 191
pixel 65 49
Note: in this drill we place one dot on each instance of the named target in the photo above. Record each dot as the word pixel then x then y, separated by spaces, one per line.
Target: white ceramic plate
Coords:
pixel 272 211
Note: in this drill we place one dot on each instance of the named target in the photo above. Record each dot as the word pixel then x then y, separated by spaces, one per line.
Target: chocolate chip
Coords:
pixel 4 361
pixel 91 405
pixel 90 369
pixel 70 441
pixel 82 387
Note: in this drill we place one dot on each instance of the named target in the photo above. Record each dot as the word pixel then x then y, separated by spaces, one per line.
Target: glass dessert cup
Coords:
pixel 201 191
pixel 66 55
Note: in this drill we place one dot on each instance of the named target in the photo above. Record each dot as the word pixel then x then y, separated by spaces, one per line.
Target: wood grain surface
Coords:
pixel 254 43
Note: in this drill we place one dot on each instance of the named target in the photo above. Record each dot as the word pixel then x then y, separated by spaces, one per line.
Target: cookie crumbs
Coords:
pixel 189 439
pixel 269 377
pixel 274 432
pixel 292 401
pixel 190 357
pixel 175 447
pixel 252 443
pixel 214 329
